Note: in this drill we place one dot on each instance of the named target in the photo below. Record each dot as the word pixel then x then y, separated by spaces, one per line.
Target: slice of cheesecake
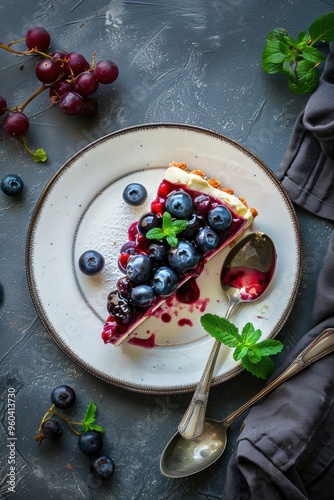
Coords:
pixel 191 219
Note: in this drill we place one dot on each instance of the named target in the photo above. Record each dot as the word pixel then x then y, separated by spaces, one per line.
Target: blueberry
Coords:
pixel 139 268
pixel 142 295
pixel 91 262
pixel 102 467
pixel 52 429
pixel 158 252
pixel 207 239
pixel 194 224
pixel 135 194
pixel 219 218
pixel 179 204
pixel 12 185
pixel 90 442
pixel 63 396
pixel 165 281
pixel 184 256
pixel 148 221
pixel 119 308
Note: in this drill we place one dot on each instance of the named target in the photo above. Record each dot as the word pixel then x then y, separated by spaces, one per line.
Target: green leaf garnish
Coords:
pixel 297 58
pixel 39 155
pixel 170 228
pixel 254 354
pixel 88 422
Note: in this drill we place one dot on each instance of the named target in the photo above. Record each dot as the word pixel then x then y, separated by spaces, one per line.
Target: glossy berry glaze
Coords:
pixel 251 282
pixel 187 291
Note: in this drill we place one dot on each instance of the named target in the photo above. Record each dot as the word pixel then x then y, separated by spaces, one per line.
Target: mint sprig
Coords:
pixel 170 228
pixel 297 58
pixel 89 419
pixel 254 354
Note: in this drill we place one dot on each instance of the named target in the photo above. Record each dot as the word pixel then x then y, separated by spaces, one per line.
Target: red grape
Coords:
pixel 3 105
pixel 71 103
pixel 86 83
pixel 59 88
pixel 58 54
pixel 37 38
pixel 47 70
pixel 15 124
pixel 75 64
pixel 106 71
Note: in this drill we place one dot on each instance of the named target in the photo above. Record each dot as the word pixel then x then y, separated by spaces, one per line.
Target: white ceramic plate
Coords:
pixel 81 208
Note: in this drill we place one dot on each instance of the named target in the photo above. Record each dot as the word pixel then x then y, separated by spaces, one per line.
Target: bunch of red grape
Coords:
pixel 69 77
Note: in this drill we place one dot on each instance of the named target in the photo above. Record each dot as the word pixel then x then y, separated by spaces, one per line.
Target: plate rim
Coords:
pixel 147 389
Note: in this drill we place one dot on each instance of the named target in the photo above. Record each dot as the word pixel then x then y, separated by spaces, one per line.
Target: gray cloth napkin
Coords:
pixel 286 447
pixel 307 168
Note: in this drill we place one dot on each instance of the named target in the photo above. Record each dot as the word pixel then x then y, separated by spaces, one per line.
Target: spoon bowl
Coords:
pixel 245 276
pixel 183 457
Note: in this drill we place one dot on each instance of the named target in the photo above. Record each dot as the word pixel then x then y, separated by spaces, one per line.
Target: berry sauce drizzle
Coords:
pixel 252 282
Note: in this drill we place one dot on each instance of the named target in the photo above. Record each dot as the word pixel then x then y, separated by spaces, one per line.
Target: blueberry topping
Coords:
pixel 184 256
pixel 142 295
pixel 219 218
pixel 158 252
pixel 207 239
pixel 91 262
pixel 90 442
pixel 165 281
pixel 139 268
pixel 12 185
pixel 135 194
pixel 102 467
pixel 52 429
pixel 148 221
pixel 180 205
pixel 63 396
pixel 194 224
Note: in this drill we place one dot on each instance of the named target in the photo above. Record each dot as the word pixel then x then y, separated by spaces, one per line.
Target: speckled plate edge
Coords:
pixel 147 389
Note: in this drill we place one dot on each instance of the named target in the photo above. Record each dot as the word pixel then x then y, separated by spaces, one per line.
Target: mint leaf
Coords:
pixel 169 230
pixel 240 351
pixel 270 346
pixel 322 29
pixel 179 225
pixel 261 370
pixel 249 335
pixel 166 221
pixel 307 78
pixel 89 419
pixel 39 155
pixel 155 234
pixel 312 55
pixel 172 241
pixel 272 57
pixel 254 354
pixel 221 329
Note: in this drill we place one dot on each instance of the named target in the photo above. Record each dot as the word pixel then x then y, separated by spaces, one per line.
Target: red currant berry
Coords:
pixel 47 71
pixel 122 261
pixel 158 206
pixel 71 103
pixel 163 190
pixel 106 71
pixel 15 124
pixel 86 84
pixel 37 38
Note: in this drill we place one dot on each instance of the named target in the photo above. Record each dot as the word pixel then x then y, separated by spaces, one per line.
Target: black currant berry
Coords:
pixel 63 396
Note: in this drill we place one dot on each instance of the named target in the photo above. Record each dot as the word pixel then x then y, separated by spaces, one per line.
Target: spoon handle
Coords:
pixel 320 347
pixel 192 423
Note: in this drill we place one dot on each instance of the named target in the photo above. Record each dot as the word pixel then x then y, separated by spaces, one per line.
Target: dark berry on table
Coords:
pixel 158 252
pixel 75 64
pixel 63 396
pixel 184 256
pixel 102 467
pixel 139 268
pixel 148 221
pixel 71 103
pixel 143 296
pixel 15 124
pixel 179 204
pixel 106 71
pixel 3 105
pixel 37 38
pixel 91 262
pixel 90 442
pixel 52 429
pixel 119 308
pixel 194 224
pixel 165 281
pixel 135 194
pixel 219 218
pixel 47 71
pixel 86 83
pixel 207 239
pixel 12 185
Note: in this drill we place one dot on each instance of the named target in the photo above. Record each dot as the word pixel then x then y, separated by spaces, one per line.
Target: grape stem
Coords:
pixel 50 413
pixel 23 52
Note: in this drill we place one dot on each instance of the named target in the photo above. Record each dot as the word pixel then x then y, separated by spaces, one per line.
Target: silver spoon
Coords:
pixel 183 457
pixel 247 271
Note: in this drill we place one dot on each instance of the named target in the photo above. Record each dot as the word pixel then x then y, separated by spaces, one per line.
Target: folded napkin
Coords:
pixel 307 168
pixel 286 447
